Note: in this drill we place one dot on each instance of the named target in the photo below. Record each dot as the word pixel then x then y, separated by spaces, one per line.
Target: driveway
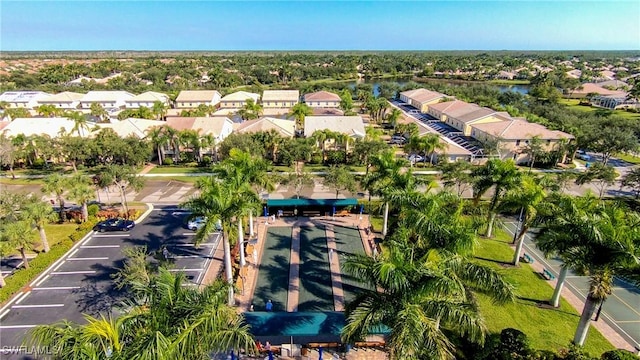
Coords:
pixel 81 282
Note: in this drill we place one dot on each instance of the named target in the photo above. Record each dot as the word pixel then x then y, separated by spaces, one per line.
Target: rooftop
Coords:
pixel 22 96
pixel 241 96
pixel 284 127
pixel 66 96
pixel 280 95
pixel 99 96
pixel 423 95
pixel 350 125
pixel 520 129
pixel 321 96
pixel 197 95
pixel 150 96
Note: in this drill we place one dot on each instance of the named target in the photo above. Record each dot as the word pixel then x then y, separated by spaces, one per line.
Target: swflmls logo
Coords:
pixel 25 350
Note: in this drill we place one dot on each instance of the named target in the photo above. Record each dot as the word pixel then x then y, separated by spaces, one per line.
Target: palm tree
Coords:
pixel 56 184
pixel 159 109
pixel 98 111
pixel 166 321
pixel 393 117
pixel 422 300
pixel 39 213
pixel 82 193
pixel 121 177
pixel 502 176
pixel 530 198
pixel 387 176
pixel 18 235
pixel 80 123
pixel 159 139
pixel 47 110
pixel 299 111
pixel 251 110
pixel 219 203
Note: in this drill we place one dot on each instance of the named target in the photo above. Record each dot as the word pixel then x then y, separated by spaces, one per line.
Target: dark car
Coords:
pixel 114 225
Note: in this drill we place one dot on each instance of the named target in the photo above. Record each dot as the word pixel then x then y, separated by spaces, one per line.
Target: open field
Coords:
pixel 574 105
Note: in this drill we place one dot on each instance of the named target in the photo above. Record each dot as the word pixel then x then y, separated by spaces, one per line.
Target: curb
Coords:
pixel 145 214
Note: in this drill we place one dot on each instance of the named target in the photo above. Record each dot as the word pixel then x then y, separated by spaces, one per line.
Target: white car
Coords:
pixel 196 223
pixel 414 158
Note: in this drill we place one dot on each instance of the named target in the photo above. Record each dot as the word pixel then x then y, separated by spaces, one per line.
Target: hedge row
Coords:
pixel 22 277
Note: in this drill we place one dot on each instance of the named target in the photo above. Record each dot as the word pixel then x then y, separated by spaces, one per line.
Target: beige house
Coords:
pixel 284 127
pixel 461 115
pixel 451 152
pixel 131 126
pixel 147 99
pixel 235 101
pixel 349 125
pixel 65 100
pixel 52 127
pixel 279 101
pixel 514 135
pixel 107 99
pixel 23 99
pixel 322 99
pixel 191 99
pixel 421 98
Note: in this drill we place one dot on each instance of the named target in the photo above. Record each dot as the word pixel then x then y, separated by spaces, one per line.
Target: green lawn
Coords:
pixel 575 105
pixel 629 158
pixel 55 234
pixel 10 181
pixel 549 329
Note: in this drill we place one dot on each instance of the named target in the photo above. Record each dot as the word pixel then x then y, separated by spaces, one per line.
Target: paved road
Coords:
pixel 621 310
pixel 81 283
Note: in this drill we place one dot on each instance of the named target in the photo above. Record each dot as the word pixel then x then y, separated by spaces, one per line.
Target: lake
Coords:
pixel 522 89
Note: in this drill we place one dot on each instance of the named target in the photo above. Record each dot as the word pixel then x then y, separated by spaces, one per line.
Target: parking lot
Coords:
pixel 81 281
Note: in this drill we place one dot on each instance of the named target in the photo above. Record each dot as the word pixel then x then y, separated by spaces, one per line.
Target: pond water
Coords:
pixel 522 89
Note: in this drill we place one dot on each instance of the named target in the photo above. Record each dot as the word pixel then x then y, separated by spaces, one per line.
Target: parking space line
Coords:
pixel 203 244
pixel 4 327
pixel 4 313
pixel 56 288
pixel 111 235
pixel 189 270
pixel 73 252
pixel 23 296
pixel 36 306
pixel 88 259
pixel 189 234
pixel 43 280
pixel 73 272
pixel 190 256
pixel 98 246
pixel 59 265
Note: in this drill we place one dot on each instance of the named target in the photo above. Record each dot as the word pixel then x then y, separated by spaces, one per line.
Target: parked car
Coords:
pixel 582 155
pixel 114 225
pixel 397 140
pixel 414 158
pixel 196 223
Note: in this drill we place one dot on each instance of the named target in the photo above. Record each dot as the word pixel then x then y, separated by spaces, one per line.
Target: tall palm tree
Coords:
pixel 56 184
pixel 299 111
pixel 18 235
pixel 159 109
pixel 530 198
pixel 47 110
pixel 421 300
pixel 39 213
pixel 159 139
pixel 251 110
pixel 81 191
pixel 393 117
pixel 98 111
pixel 80 123
pixel 220 203
pixel 502 176
pixel 166 321
pixel 121 177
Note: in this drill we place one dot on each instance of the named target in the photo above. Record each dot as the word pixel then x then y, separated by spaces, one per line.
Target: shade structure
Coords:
pixel 312 202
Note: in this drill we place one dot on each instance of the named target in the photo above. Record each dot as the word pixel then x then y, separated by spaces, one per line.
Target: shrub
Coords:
pixel 93 209
pixel 619 355
pixel 38 163
pixel 336 157
pixel 206 161
pixel 316 159
pixel 167 161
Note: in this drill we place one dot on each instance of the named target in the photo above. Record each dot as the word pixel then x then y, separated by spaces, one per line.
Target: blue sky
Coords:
pixel 319 25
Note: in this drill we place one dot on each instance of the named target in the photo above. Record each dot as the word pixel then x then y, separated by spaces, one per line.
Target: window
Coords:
pixel 517 142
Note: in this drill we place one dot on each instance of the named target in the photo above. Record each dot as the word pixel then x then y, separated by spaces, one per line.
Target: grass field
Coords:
pixel 316 292
pixel 574 105
pixel 549 329
pixel 629 158
pixel 273 275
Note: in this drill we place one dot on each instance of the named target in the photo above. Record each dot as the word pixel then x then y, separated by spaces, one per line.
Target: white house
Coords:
pixel 23 99
pixel 147 99
pixel 349 125
pixel 131 126
pixel 52 127
pixel 238 99
pixel 107 99
pixel 65 100
pixel 191 99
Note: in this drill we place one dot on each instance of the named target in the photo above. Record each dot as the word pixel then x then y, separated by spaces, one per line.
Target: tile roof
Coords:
pixel 450 105
pixel 66 96
pixel 451 148
pixel 197 95
pixel 132 126
pixel 98 96
pixel 520 129
pixel 284 127
pixel 422 95
pixel 150 96
pixel 321 96
pixel 595 88
pixel 22 96
pixel 477 114
pixel 39 126
pixel 327 111
pixel 351 125
pixel 241 96
pixel 280 95
pixel 205 125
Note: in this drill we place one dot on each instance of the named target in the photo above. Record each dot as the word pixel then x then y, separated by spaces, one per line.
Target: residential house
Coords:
pixel 191 99
pixel 106 99
pixel 284 127
pixel 421 98
pixel 48 126
pixel 591 88
pixel 451 152
pixel 237 100
pixel 349 125
pixel 514 135
pixel 322 99
pixel 218 126
pixel 65 100
pixel 275 102
pixel 23 99
pixel 461 115
pixel 147 99
pixel 131 126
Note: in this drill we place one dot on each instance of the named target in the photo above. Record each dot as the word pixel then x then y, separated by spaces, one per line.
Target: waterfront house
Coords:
pixel 322 99
pixel 421 98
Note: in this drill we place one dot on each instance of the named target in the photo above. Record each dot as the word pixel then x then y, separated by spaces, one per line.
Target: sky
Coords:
pixel 27 25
